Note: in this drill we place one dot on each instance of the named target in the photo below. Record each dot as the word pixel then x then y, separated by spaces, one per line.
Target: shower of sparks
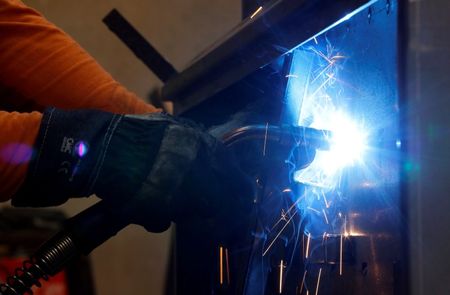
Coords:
pixel 318 281
pixel 308 241
pixel 256 12
pixel 319 111
pixel 279 233
pixel 322 179
pixel 280 286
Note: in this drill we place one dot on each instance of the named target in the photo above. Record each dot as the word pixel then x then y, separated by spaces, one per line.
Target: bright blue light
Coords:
pixel 398 143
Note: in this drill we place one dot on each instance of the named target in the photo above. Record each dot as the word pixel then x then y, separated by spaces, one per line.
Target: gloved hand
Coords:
pixel 167 168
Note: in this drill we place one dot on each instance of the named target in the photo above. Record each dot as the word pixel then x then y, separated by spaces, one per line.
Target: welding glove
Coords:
pixel 168 168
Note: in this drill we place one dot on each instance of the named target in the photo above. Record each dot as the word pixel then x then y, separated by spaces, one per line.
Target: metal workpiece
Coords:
pixel 277 28
pixel 323 144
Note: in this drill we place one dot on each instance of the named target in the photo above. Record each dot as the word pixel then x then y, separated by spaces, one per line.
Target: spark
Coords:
pixel 318 281
pixel 338 57
pixel 319 53
pixel 280 287
pixel 327 205
pixel 325 215
pixel 315 210
pixel 291 76
pixel 221 264
pixel 256 12
pixel 283 215
pixel 345 227
pixel 287 212
pixel 265 139
pixel 303 282
pixel 315 40
pixel 279 233
pixel 307 245
pixel 295 204
pixel 352 233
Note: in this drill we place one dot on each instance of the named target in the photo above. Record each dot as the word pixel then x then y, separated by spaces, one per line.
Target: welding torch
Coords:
pixel 92 227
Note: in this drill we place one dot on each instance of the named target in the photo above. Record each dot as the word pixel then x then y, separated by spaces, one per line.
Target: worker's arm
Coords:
pixel 163 168
pixel 44 67
pixel 43 64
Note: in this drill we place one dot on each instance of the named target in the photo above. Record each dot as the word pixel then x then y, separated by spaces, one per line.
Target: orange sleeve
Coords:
pixel 45 65
pixel 18 132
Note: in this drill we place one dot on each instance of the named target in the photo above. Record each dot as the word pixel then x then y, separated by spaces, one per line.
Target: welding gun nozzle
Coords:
pixel 285 135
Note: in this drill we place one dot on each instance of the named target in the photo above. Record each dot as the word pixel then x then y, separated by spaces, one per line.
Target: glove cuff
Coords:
pixel 67 156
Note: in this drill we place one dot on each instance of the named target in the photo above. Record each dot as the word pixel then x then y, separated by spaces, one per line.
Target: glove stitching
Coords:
pixel 106 142
pixel 43 142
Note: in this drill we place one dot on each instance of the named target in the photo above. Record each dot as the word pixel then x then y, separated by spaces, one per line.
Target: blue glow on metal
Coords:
pixel 340 21
pixel 324 93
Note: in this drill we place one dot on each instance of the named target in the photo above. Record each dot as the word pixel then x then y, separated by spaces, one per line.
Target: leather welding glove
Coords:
pixel 168 168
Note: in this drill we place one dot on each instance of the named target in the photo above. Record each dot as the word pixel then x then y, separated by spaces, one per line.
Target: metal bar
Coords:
pixel 139 46
pixel 255 43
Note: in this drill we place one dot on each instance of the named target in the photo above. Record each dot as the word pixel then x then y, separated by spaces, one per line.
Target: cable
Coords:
pixel 48 260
